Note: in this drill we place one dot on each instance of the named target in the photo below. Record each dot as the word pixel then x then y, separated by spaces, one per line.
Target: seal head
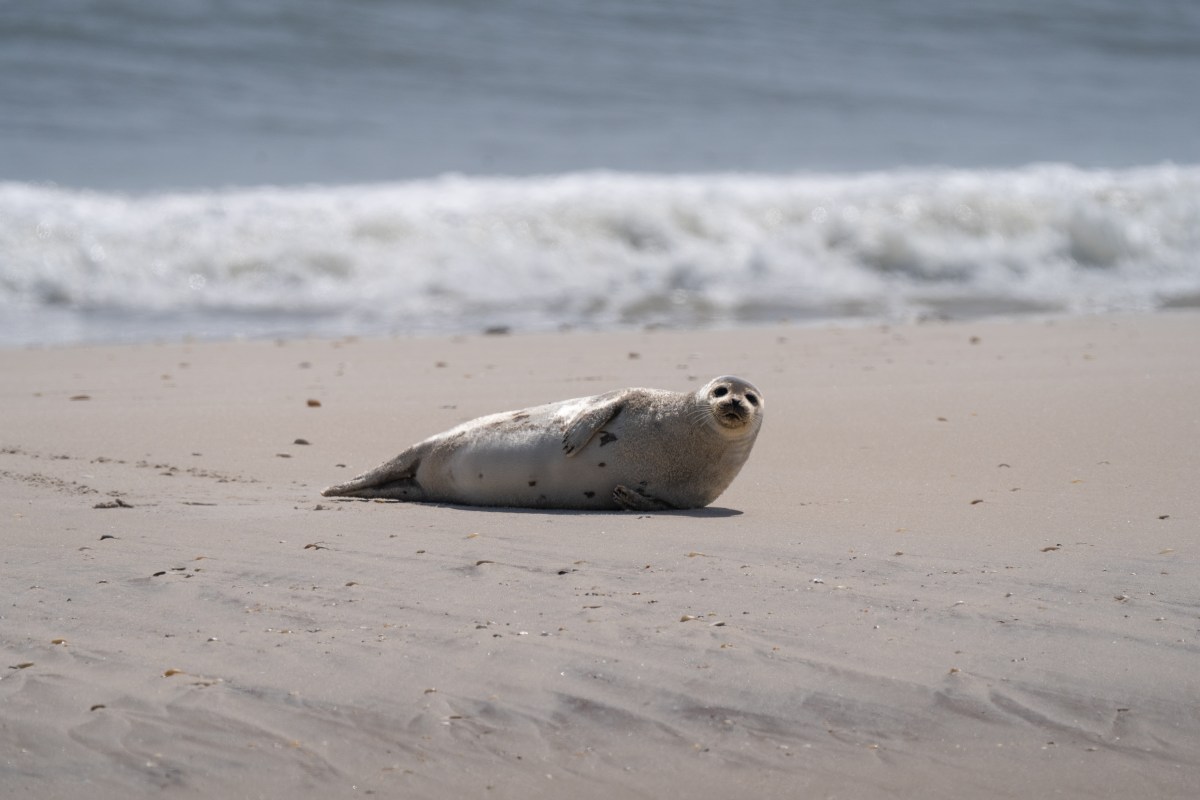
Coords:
pixel 733 404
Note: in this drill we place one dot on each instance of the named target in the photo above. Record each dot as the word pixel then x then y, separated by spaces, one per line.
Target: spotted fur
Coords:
pixel 675 449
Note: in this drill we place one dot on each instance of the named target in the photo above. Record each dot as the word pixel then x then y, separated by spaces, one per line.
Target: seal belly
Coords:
pixel 524 467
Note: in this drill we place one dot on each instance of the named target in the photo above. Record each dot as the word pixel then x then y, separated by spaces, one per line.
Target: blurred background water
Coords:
pixel 218 168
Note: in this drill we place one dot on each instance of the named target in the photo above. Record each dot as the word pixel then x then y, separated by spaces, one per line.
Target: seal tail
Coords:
pixel 393 480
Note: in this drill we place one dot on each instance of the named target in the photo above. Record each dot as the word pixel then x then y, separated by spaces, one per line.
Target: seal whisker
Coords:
pixel 699 416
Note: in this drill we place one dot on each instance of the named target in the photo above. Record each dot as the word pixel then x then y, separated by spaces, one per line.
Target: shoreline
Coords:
pixel 962 556
pixel 1001 313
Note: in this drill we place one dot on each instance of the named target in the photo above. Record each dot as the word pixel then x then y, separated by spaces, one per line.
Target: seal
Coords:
pixel 633 449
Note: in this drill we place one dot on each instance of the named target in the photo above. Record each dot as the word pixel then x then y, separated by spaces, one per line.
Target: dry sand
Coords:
pixel 963 561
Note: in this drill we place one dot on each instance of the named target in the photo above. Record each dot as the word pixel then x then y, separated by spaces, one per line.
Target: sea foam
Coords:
pixel 595 250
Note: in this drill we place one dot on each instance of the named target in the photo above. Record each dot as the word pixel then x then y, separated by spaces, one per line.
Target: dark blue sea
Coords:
pixel 216 168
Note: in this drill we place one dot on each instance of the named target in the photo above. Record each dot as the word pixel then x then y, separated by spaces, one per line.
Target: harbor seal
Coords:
pixel 633 449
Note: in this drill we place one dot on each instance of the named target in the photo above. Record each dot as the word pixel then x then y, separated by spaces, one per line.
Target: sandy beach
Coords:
pixel 962 561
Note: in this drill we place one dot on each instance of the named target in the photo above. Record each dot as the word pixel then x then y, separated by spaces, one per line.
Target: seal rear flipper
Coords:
pixel 394 480
pixel 404 489
pixel 630 500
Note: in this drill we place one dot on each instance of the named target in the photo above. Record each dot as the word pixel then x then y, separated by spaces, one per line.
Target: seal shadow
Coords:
pixel 708 512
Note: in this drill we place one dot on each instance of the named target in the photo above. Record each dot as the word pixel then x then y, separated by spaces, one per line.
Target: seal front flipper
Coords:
pixel 629 500
pixel 584 426
pixel 394 480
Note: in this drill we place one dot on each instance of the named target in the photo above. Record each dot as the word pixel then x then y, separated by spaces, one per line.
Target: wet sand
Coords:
pixel 963 561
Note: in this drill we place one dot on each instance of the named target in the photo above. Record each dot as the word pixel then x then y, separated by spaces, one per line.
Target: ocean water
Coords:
pixel 215 169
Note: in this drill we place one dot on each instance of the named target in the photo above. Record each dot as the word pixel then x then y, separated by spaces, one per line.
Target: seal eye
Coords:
pixel 752 400
pixel 720 391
